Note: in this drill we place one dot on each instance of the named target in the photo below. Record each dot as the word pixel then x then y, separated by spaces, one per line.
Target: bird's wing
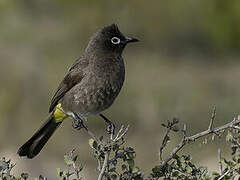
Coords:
pixel 73 77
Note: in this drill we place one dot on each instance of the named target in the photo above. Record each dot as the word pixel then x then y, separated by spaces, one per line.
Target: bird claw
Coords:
pixel 110 128
pixel 78 123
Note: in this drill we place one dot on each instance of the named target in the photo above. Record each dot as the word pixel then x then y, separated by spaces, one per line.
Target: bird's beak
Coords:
pixel 129 39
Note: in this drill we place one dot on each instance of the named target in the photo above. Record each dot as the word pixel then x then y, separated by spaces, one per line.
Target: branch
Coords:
pixel 219 162
pixel 210 130
pixel 108 146
pixel 236 127
pixel 169 127
pixel 212 118
pixel 164 143
pixel 76 171
pixel 90 133
pixel 105 164
pixel 120 134
pixel 222 176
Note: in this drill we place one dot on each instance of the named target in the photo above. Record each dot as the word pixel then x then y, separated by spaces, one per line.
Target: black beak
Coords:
pixel 129 39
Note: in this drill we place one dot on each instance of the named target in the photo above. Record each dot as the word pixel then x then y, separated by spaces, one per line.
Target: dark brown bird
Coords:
pixel 90 86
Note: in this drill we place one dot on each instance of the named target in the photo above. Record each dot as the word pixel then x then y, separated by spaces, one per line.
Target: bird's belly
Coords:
pixel 91 100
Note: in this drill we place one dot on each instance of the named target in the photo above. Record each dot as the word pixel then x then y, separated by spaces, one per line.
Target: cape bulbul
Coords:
pixel 90 86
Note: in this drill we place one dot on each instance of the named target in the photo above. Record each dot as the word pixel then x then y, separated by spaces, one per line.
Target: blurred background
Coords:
pixel 187 61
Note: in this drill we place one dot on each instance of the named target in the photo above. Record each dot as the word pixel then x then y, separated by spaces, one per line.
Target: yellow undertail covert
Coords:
pixel 59 114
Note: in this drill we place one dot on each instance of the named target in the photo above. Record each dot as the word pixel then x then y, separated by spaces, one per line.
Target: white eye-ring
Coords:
pixel 115 40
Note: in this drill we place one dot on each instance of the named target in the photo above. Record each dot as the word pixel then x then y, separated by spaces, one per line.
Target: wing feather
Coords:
pixel 73 77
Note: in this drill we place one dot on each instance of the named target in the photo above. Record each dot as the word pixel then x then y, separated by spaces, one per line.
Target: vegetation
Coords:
pixel 117 161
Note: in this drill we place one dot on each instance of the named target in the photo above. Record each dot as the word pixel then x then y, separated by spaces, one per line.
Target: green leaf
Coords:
pixel 135 170
pixel 41 177
pixel 215 174
pixel 187 157
pixel 3 165
pixel 75 158
pixel 59 172
pixel 175 174
pixel 68 160
pixel 124 167
pixel 8 178
pixel 182 159
pixel 229 163
pixel 130 163
pixel 131 155
pixel 113 176
pixel 164 125
pixel 113 169
pixel 184 165
pixel 234 149
pixel 175 128
pixel 229 137
pixel 155 169
pixel 92 143
pixel 24 176
pixel 189 169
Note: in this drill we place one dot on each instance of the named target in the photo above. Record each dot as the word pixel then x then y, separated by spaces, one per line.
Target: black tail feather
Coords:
pixel 35 144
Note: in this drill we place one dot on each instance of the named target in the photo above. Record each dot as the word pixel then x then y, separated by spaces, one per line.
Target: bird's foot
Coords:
pixel 78 122
pixel 110 128
pixel 110 125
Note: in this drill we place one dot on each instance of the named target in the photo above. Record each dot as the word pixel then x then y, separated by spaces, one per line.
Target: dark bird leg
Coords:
pixel 78 122
pixel 110 125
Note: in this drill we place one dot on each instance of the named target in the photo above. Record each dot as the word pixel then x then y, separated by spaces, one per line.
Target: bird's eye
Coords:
pixel 115 40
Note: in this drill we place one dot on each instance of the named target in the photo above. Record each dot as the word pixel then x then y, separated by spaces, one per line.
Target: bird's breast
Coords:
pixel 97 91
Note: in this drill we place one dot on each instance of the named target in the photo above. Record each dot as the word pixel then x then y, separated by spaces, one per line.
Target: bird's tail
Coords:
pixel 35 144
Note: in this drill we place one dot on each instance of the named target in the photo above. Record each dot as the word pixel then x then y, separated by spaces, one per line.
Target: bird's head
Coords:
pixel 110 39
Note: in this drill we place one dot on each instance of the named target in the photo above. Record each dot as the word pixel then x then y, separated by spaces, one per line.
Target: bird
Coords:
pixel 90 86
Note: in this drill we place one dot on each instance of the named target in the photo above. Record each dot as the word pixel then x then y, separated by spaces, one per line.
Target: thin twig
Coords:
pixel 119 135
pixel 74 166
pixel 188 139
pixel 214 130
pixel 184 131
pixel 164 143
pixel 169 127
pixel 236 127
pixel 222 176
pixel 235 141
pixel 68 173
pixel 212 118
pixel 220 162
pixel 99 165
pixel 76 170
pixel 104 166
pixel 111 136
pixel 90 133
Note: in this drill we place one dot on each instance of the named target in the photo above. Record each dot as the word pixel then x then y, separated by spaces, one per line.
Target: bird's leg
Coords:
pixel 110 125
pixel 78 122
